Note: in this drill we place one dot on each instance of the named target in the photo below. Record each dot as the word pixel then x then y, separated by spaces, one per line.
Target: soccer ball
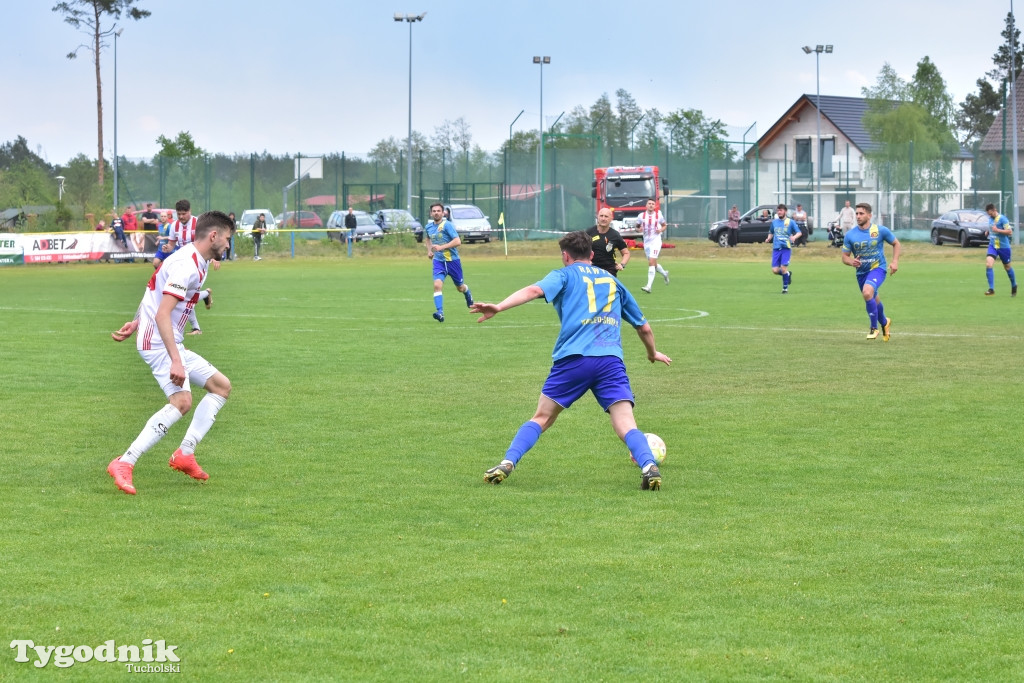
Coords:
pixel 657 448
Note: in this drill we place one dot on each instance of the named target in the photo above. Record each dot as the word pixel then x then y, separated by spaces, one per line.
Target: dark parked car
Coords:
pixel 969 227
pixel 754 225
pixel 366 229
pixel 400 220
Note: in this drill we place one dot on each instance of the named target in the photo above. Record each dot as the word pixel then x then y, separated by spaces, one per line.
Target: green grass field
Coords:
pixel 832 508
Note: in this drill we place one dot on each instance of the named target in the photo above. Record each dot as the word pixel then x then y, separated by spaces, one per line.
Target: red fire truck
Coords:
pixel 625 190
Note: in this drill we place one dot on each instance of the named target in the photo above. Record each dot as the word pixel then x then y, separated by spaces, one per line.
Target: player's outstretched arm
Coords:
pixel 646 335
pixel 126 331
pixel 518 298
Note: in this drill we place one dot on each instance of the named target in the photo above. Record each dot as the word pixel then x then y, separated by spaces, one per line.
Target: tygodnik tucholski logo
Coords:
pixel 153 656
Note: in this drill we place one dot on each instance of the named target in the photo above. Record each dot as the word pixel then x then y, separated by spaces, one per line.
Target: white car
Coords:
pixel 470 222
pixel 249 217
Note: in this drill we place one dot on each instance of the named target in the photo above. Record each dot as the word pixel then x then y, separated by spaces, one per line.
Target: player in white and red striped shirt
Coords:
pixel 653 223
pixel 171 293
pixel 183 231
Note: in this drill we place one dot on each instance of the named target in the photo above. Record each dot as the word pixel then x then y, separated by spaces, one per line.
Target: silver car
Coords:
pixel 470 222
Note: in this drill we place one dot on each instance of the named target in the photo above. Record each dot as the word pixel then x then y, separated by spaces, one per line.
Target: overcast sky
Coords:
pixel 318 76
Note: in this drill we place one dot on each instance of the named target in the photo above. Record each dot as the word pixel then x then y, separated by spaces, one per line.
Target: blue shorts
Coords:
pixel 874 277
pixel 573 376
pixel 1003 254
pixel 780 257
pixel 452 269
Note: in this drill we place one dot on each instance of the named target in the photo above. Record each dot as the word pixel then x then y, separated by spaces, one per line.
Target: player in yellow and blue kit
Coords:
pixel 591 305
pixel 783 236
pixel 864 249
pixel 442 242
pixel 999 235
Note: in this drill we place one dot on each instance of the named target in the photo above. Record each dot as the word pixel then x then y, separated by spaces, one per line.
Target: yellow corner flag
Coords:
pixel 501 219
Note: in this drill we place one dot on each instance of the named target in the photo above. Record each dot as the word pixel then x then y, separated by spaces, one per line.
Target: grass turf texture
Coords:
pixel 832 507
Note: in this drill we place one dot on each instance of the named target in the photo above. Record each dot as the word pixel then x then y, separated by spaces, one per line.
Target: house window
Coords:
pixel 802 167
pixel 828 149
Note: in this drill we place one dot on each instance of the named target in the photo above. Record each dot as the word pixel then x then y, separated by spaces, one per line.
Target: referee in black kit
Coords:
pixel 604 241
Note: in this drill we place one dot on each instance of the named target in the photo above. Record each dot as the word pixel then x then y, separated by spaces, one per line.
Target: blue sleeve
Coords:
pixel 887 235
pixel 450 232
pixel 847 243
pixel 631 312
pixel 793 229
pixel 1002 222
pixel 552 284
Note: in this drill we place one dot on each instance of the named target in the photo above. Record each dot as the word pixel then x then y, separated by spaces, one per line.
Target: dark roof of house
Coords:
pixel 993 140
pixel 845 113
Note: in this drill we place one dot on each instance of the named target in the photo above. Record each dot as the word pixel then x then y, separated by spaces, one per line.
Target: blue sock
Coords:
pixel 469 297
pixel 881 314
pixel 991 278
pixel 785 279
pixel 439 302
pixel 872 307
pixel 637 444
pixel 525 439
pixel 1013 278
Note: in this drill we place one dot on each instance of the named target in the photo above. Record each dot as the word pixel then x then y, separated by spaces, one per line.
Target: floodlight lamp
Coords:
pixel 399 17
pixel 547 60
pixel 60 178
pixel 828 49
pixel 419 17
pixel 807 49
pixel 819 48
pixel 536 60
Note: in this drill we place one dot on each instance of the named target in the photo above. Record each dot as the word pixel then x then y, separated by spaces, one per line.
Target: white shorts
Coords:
pixel 198 370
pixel 652 248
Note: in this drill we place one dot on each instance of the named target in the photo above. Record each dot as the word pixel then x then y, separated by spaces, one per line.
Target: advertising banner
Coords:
pixel 65 247
pixel 11 253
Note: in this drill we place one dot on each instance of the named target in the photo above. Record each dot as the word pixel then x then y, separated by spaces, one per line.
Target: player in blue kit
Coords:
pixel 864 249
pixel 591 305
pixel 999 236
pixel 442 243
pixel 783 236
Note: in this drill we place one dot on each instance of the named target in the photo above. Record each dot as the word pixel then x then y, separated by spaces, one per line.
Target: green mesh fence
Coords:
pixel 542 203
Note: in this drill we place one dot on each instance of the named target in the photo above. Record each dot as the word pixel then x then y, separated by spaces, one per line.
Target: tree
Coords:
pixel 912 124
pixel 88 16
pixel 689 128
pixel 978 111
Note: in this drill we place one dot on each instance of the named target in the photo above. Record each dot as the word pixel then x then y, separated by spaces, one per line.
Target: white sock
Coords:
pixel 193 321
pixel 203 418
pixel 204 295
pixel 661 270
pixel 650 276
pixel 155 429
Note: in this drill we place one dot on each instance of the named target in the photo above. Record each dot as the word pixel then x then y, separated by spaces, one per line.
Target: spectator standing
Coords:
pixel 847 218
pixel 259 228
pixel 151 222
pixel 231 242
pixel 604 240
pixel 350 224
pixel 800 216
pixel 733 225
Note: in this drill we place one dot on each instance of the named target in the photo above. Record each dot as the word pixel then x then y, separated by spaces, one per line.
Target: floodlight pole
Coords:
pixel 540 137
pixel 817 50
pixel 410 19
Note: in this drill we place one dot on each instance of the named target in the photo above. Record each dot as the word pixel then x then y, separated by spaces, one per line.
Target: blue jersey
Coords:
pixel 442 233
pixel 163 232
pixel 591 305
pixel 782 230
pixel 995 240
pixel 868 246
